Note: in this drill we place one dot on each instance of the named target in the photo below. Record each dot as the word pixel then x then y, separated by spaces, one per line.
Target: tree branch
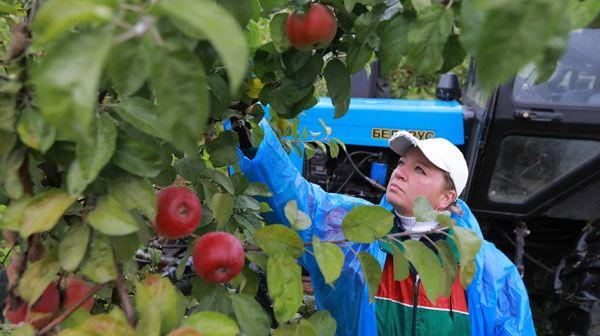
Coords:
pixel 139 29
pixel 125 300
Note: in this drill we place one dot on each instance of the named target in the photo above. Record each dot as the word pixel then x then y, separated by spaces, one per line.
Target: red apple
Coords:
pixel 218 256
pixel 179 212
pixel 18 314
pixel 47 304
pixel 75 289
pixel 315 28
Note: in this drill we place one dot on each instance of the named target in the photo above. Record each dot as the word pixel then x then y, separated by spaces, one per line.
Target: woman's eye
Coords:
pixel 420 170
pixel 400 162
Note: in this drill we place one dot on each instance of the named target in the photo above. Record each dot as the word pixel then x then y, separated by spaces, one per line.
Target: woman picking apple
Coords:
pixel 495 303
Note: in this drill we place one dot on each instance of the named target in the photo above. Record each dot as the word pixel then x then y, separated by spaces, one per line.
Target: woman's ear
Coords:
pixel 446 198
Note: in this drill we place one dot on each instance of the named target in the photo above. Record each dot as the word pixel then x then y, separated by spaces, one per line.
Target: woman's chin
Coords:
pixel 394 200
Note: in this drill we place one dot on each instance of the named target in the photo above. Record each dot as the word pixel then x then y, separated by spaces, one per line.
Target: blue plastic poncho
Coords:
pixel 497 298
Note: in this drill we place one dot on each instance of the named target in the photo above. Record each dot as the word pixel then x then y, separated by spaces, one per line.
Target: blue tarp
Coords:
pixel 497 298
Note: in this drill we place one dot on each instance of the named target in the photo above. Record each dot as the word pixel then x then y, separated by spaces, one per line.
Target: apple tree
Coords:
pixel 118 162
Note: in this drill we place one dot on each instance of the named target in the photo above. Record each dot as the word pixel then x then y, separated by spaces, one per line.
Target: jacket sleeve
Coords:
pixel 348 300
pixel 272 166
pixel 513 314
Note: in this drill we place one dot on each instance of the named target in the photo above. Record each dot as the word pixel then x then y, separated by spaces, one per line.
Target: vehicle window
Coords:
pixel 526 165
pixel 474 89
pixel 576 80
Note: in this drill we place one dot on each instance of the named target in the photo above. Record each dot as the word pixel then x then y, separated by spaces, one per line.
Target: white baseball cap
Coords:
pixel 441 152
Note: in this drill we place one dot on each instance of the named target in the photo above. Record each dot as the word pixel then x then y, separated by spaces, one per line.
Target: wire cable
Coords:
pixel 368 179
pixel 352 173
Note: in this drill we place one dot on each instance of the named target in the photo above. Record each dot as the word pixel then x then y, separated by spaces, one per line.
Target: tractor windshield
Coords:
pixel 576 80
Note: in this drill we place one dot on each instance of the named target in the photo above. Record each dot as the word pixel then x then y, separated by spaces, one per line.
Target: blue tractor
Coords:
pixel 534 156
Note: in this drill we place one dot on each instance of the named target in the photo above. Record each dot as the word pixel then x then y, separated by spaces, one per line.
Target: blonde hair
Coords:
pixel 449 185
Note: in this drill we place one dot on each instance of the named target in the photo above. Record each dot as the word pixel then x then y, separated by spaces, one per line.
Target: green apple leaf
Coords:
pixel 450 266
pixel 12 183
pixel 142 114
pixel 111 324
pixel 258 189
pixel 427 265
pixel 26 329
pixel 401 268
pixel 310 71
pixel 394 44
pixel 284 280
pixel 222 149
pixel 73 245
pixel 56 17
pixel 92 154
pixel 423 210
pixel 112 218
pixel 134 193
pixel 207 20
pixel 330 259
pixel 179 83
pixel 468 244
pixel 35 131
pixel 337 77
pixel 371 271
pixel 129 64
pixel 278 239
pixel 211 323
pixel 505 36
pixel 136 157
pixel 159 292
pixel 300 328
pixel 359 54
pixel 44 211
pixel 6 8
pixel 298 220
pixel 67 80
pixel 125 246
pixel 222 206
pixel 365 224
pixel 38 275
pixel 420 5
pixel 278 32
pixel 210 296
pixel 11 218
pixel 427 37
pixel 218 178
pixel 323 323
pixel 99 264
pixel 249 314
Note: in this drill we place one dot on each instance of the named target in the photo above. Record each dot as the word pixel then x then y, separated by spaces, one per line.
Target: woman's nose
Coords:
pixel 400 172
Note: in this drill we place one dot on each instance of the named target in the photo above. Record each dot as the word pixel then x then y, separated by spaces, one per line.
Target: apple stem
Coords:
pixel 56 321
pixel 125 300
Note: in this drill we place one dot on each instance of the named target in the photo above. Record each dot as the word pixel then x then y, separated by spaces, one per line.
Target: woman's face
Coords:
pixel 416 176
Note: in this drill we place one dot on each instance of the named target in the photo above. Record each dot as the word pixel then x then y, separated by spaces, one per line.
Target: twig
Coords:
pixel 133 8
pixel 24 175
pixel 7 254
pixel 351 249
pixel 70 310
pixel 33 11
pixel 163 259
pixel 125 301
pixel 139 29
